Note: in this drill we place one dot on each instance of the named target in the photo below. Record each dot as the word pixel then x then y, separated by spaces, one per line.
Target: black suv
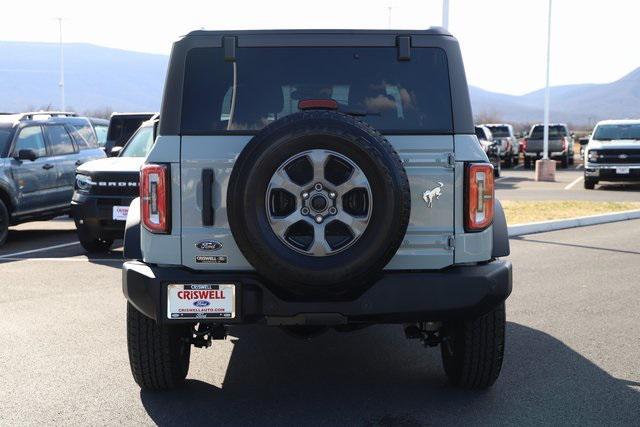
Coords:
pixel 105 188
pixel 39 153
pixel 121 127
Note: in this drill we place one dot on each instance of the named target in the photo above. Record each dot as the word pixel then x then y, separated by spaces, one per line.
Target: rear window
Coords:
pixel 480 133
pixel 500 131
pixel 555 131
pixel 83 136
pixel 397 96
pixel 101 134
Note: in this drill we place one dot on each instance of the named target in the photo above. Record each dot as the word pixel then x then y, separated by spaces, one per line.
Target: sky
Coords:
pixel 503 41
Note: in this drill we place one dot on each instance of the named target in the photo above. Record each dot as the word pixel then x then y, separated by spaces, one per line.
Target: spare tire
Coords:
pixel 318 202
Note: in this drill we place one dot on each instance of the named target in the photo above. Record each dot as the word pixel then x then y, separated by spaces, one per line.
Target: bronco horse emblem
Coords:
pixel 429 195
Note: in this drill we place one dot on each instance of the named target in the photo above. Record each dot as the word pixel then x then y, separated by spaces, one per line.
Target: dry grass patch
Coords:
pixel 519 212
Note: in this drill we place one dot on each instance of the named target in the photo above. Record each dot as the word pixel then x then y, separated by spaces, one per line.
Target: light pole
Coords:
pixel 445 14
pixel 545 168
pixel 63 106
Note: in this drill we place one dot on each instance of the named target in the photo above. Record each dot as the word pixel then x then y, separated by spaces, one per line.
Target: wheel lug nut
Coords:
pixel 305 195
pixel 304 211
pixel 318 187
pixel 332 195
pixel 333 210
pixel 319 219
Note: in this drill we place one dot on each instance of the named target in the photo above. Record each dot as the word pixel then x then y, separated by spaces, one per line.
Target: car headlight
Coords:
pixel 83 182
pixel 593 156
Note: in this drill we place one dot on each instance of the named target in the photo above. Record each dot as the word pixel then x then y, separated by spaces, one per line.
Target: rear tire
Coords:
pixel 508 161
pixel 527 163
pixel 95 246
pixel 158 354
pixel 4 223
pixel 472 355
pixel 589 183
pixel 564 163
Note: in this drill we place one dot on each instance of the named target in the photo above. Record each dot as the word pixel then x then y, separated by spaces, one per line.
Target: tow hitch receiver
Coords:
pixel 427 332
pixel 203 334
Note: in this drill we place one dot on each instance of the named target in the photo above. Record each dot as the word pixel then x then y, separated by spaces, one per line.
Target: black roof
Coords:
pixel 435 31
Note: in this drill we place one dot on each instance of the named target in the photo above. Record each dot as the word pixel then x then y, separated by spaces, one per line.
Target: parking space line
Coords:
pixel 574 182
pixel 579 166
pixel 120 261
pixel 15 254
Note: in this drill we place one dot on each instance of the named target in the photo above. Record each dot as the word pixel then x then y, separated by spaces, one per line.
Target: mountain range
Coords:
pixel 100 78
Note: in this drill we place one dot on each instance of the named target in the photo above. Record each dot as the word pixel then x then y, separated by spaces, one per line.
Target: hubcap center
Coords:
pixel 318 203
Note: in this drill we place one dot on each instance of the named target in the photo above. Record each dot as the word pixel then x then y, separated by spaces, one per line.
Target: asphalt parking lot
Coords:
pixel 573 341
pixel 520 184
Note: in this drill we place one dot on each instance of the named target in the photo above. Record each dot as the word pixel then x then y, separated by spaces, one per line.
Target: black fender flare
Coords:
pixel 500 232
pixel 132 250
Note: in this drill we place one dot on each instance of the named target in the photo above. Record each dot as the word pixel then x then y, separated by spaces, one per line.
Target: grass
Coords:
pixel 519 212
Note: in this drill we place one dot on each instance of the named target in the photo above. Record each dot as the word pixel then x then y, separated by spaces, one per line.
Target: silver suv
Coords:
pixel 310 180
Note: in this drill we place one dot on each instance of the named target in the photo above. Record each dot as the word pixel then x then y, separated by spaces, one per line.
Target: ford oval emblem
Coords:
pixel 201 303
pixel 209 245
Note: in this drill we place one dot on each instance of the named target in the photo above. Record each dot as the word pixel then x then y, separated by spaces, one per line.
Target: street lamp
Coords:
pixel 445 14
pixel 546 168
pixel 63 106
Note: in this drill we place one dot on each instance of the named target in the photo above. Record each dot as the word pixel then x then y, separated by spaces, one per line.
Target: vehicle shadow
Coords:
pixel 375 377
pixel 618 186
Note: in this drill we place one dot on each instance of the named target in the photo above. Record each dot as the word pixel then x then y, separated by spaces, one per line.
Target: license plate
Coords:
pixel 622 171
pixel 120 213
pixel 201 301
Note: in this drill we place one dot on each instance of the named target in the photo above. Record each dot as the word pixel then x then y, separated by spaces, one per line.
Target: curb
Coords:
pixel 561 224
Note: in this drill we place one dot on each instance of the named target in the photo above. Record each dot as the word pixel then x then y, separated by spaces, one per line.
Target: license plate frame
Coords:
pixel 119 213
pixel 623 170
pixel 204 304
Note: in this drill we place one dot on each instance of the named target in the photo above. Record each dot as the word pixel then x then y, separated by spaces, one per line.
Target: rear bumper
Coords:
pixel 397 297
pixel 538 155
pixel 94 215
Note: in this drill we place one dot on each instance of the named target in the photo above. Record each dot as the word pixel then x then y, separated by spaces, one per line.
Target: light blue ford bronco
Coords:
pixel 310 180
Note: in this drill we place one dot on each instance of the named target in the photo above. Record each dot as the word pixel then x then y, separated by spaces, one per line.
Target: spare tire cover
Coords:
pixel 318 202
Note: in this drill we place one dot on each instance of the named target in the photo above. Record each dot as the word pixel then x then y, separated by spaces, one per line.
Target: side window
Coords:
pixel 60 140
pixel 30 138
pixel 83 136
pixel 101 133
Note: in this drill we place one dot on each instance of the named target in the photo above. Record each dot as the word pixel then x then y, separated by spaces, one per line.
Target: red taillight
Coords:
pixel 479 196
pixel 154 198
pixel 565 143
pixel 317 104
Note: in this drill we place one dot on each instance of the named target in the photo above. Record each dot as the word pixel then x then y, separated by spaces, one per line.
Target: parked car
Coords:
pixel 39 153
pixel 490 147
pixel 509 148
pixel 613 153
pixel 560 144
pixel 583 141
pixel 101 127
pixel 280 199
pixel 105 188
pixel 121 127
